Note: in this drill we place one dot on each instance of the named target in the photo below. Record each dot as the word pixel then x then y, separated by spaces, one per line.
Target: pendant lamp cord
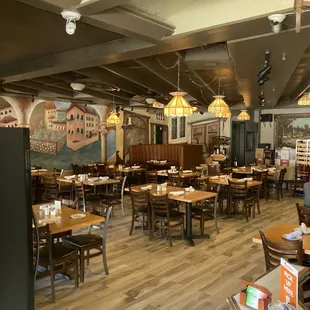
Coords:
pixel 179 74
pixel 219 88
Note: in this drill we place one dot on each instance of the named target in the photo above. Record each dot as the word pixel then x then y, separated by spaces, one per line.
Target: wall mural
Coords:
pixel 290 127
pixel 8 116
pixel 138 133
pixel 63 133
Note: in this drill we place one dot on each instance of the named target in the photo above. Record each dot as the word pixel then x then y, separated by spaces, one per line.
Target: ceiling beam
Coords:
pixel 105 96
pixel 301 89
pixel 103 76
pixel 170 76
pixel 21 89
pixel 140 78
pixel 64 77
pixel 128 48
pixel 95 6
pixel 48 88
pixel 130 23
pixel 122 20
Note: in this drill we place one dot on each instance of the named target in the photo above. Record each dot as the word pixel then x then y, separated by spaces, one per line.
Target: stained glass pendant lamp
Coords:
pixel 113 118
pixel 243 116
pixel 304 100
pixel 178 105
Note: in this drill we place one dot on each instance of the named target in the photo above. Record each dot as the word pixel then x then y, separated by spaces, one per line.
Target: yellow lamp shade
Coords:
pixel 304 100
pixel 178 105
pixel 225 114
pixel 218 105
pixel 243 116
pixel 113 119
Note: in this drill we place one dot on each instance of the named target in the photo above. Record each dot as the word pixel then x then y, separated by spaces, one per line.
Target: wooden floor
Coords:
pixel 152 275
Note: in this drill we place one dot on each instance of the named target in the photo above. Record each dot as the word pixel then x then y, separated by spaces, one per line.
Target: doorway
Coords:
pixel 159 134
pixel 238 143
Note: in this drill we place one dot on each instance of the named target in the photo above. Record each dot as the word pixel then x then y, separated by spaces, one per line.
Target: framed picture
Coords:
pixel 249 141
pixel 289 128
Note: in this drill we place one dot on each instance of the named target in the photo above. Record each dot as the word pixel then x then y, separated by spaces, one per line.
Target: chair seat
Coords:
pixel 59 251
pixel 83 240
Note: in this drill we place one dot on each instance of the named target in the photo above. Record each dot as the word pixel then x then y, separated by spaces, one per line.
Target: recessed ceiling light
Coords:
pixel 77 86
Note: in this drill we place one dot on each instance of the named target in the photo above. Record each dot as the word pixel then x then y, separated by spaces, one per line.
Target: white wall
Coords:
pixel 267 129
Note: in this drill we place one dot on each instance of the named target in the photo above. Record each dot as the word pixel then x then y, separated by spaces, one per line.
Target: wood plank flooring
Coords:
pixel 151 275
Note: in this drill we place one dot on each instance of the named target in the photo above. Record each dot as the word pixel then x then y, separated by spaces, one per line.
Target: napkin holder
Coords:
pixel 262 303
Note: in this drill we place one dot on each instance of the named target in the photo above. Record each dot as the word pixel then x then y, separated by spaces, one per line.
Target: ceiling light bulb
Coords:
pixel 70 27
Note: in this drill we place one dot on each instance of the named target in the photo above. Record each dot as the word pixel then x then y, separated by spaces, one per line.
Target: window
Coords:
pixel 82 117
pixel 77 130
pixel 71 117
pixel 174 128
pixel 6 112
pixel 78 116
pixel 69 131
pixel 10 111
pixel 82 130
pixel 182 126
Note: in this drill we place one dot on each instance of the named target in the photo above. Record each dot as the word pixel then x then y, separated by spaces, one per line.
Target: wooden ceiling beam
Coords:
pixel 21 89
pixel 42 87
pixel 95 6
pixel 159 87
pixel 103 76
pixel 105 96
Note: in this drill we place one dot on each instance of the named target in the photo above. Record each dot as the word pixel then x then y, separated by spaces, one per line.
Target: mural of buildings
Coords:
pixel 8 121
pixel 82 126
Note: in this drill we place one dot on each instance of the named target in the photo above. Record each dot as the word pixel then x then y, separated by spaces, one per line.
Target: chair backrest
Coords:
pixel 274 251
pixel 237 189
pixel 151 176
pixel 111 172
pixel 213 170
pixel 90 169
pixel 173 178
pixel 105 227
pixel 257 175
pixel 73 204
pixel 303 214
pixel 200 184
pixel 101 170
pixel 50 187
pixel 139 200
pixel 78 169
pixel 159 205
pixel 307 194
pixel 281 176
pixel 79 192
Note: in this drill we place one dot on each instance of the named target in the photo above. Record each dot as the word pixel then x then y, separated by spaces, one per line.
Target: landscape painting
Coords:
pixel 62 133
pixel 290 127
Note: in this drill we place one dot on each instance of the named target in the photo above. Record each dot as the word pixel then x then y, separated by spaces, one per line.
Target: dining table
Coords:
pixel 275 233
pixel 96 181
pixel 188 197
pixel 250 170
pixel 182 174
pixel 63 220
pixel 222 180
pixel 42 173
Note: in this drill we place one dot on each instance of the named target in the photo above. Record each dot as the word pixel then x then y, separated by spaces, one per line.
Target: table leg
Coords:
pixel 188 232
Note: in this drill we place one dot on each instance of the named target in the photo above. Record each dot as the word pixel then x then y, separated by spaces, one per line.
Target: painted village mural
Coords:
pixel 62 133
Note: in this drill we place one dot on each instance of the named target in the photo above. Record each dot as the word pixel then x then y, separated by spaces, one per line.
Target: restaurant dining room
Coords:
pixel 155 154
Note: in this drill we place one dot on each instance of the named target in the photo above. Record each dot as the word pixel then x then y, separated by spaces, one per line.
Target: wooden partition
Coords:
pixel 186 155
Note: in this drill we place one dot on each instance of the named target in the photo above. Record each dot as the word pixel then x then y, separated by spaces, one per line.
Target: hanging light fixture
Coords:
pixel 178 105
pixel 225 114
pixel 113 118
pixel 243 116
pixel 218 105
pixel 304 100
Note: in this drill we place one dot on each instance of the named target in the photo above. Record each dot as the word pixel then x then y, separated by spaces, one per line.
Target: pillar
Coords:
pixel 103 135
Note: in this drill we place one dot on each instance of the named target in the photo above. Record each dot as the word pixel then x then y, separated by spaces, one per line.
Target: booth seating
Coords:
pixel 186 155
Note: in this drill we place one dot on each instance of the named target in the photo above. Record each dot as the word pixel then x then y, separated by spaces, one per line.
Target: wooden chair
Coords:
pixel 90 170
pixel 140 210
pixel 303 214
pixel 238 193
pixel 115 195
pixel 213 170
pixel 174 178
pixel 276 185
pixel 207 210
pixel 101 170
pixel 302 176
pixel 151 176
pixel 88 242
pixel 292 250
pixel 164 216
pixel 78 169
pixel 51 189
pixel 54 257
